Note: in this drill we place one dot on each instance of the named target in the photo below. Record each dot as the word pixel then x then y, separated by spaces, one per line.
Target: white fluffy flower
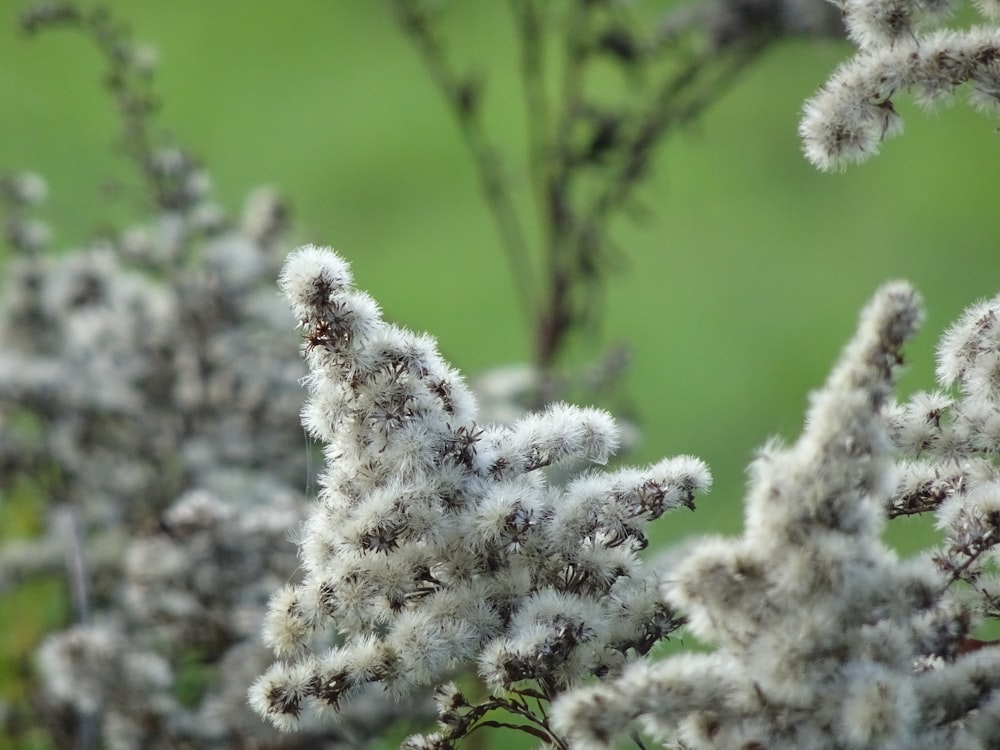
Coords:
pixel 853 112
pixel 437 542
pixel 823 638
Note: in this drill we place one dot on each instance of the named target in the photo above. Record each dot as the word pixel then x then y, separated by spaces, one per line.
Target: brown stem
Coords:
pixel 463 97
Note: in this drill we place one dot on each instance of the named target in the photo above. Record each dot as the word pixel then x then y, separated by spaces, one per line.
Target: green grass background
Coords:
pixel 742 283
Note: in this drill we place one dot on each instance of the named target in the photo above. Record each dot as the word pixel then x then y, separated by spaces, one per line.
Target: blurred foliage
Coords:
pixel 744 273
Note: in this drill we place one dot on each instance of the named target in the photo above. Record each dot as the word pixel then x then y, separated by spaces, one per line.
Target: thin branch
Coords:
pixel 531 30
pixel 559 218
pixel 681 98
pixel 68 528
pixel 463 96
pixel 66 520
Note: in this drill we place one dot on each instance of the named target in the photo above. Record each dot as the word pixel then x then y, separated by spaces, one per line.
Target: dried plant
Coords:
pixel 590 143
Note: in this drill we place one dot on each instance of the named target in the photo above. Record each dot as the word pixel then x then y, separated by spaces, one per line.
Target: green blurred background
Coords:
pixel 743 280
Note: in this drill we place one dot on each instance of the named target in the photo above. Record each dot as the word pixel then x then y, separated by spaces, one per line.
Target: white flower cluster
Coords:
pixel 849 117
pixel 438 543
pixel 824 639
pixel 950 441
pixel 170 324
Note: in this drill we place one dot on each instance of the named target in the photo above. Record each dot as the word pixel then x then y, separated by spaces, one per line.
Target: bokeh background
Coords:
pixel 742 279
